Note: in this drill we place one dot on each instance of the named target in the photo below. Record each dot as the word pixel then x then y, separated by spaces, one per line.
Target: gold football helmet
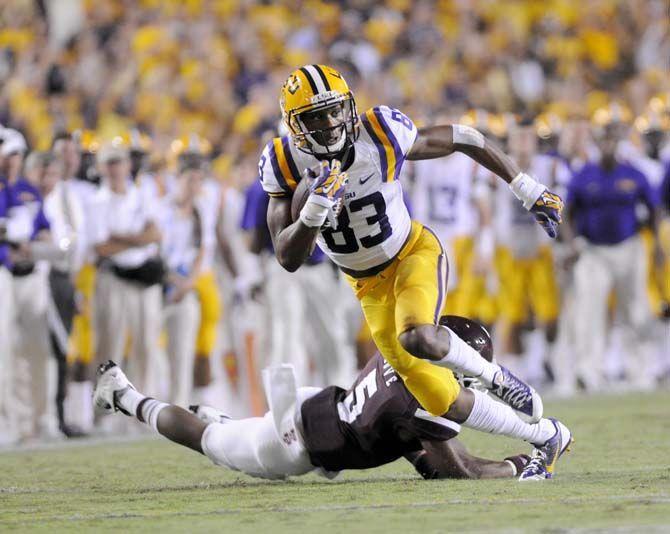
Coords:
pixel 319 110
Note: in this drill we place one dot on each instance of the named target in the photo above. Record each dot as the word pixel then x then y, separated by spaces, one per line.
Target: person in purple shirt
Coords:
pixel 30 295
pixel 603 204
pixel 302 328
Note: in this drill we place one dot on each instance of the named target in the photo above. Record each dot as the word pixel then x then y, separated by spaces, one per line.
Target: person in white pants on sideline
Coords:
pixel 126 239
pixel 184 251
pixel 30 390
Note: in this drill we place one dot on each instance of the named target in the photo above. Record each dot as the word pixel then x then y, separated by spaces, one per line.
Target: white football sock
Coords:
pixel 489 415
pixel 462 358
pixel 146 409
pixel 130 400
pixel 149 409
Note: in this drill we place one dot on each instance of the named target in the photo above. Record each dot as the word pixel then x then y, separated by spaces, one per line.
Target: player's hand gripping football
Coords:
pixel 547 210
pixel 327 188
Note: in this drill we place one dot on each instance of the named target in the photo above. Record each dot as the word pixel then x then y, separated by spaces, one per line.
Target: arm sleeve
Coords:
pixel 40 223
pixel 98 232
pixel 647 192
pixel 270 174
pixel 402 129
pixel 393 133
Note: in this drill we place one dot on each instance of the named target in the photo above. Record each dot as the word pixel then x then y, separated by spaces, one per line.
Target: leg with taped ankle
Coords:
pixel 148 410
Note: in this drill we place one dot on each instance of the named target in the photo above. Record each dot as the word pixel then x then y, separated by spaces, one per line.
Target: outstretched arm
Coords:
pixel 450 459
pixel 442 140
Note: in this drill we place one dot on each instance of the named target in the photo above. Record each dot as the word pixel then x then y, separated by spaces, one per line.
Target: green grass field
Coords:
pixel 616 477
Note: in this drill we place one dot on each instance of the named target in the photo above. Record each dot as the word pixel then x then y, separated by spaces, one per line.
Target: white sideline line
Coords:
pixel 356 507
pixel 353 508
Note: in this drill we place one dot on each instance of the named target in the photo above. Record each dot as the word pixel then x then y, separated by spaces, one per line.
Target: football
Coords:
pixel 299 198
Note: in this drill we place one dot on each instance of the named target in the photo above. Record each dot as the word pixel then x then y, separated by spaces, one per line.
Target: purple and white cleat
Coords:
pixel 516 393
pixel 543 459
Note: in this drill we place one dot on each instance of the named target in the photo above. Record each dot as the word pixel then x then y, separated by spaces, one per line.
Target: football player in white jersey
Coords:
pixel 396 267
pixel 448 196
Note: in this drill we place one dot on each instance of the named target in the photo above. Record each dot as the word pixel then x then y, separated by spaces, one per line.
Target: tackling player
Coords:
pixel 375 422
pixel 396 267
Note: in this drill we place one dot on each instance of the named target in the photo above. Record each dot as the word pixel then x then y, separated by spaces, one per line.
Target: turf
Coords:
pixel 616 477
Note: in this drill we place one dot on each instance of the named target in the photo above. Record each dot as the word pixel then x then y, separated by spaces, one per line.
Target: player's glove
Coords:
pixel 327 188
pixel 547 211
pixel 542 203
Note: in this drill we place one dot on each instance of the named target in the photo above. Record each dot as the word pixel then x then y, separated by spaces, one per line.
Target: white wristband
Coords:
pixel 514 469
pixel 315 211
pixel 526 189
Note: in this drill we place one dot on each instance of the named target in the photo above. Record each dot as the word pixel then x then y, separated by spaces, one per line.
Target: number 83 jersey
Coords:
pixel 374 222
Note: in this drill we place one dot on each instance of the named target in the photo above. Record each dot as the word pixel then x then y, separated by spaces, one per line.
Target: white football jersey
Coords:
pixel 442 195
pixel 374 222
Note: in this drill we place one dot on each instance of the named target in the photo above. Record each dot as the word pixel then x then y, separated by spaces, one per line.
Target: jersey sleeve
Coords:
pixel 647 193
pixel 393 133
pixel 277 170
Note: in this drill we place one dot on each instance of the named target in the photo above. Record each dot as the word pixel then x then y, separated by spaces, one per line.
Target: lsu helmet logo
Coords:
pixel 319 110
pixel 292 84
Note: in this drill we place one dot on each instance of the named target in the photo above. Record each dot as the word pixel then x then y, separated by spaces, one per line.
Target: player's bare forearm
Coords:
pixel 493 158
pixel 293 241
pixel 450 459
pixel 438 141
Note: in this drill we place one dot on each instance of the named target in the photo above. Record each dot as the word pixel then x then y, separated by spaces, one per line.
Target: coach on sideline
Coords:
pixel 603 203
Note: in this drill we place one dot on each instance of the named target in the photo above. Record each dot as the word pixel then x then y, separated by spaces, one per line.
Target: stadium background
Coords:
pixel 165 78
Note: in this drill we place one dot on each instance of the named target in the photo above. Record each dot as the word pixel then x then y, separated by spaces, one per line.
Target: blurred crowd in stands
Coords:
pixel 133 225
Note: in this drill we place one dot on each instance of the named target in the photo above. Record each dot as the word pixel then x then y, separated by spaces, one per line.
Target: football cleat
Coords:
pixel 209 414
pixel 521 397
pixel 519 461
pixel 111 382
pixel 543 459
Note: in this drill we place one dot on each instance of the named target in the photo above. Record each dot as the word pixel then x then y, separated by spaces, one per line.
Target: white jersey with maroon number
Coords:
pixel 442 195
pixel 374 222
